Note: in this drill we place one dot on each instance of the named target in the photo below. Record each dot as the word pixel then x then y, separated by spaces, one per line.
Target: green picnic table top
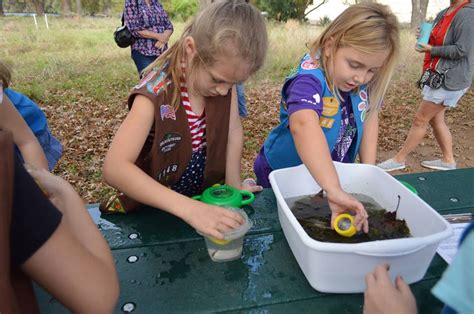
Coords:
pixel 163 264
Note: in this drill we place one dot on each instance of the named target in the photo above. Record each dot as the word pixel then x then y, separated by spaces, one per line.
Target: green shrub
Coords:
pixel 180 9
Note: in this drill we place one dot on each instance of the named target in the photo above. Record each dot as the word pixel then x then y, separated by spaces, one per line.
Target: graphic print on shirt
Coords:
pixel 316 100
pixel 164 174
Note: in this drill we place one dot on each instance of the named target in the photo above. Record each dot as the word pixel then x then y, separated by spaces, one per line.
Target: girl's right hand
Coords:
pixel 213 220
pixel 341 202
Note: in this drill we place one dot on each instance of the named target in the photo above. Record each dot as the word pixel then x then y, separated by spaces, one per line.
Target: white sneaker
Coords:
pixel 391 165
pixel 438 164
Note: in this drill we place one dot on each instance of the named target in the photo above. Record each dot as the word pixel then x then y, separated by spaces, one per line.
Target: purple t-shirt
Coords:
pixel 139 16
pixel 305 92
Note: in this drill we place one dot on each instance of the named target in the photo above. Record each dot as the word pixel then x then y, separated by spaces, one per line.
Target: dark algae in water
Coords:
pixel 314 215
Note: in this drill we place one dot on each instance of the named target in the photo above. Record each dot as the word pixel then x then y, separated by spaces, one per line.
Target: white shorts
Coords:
pixel 441 96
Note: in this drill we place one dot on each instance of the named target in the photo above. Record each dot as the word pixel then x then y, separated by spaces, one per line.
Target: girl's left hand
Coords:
pixel 341 202
pixel 250 185
pixel 424 48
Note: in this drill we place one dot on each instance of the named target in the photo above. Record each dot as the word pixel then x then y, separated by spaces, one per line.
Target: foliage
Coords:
pixel 283 10
pixel 180 9
pixel 324 21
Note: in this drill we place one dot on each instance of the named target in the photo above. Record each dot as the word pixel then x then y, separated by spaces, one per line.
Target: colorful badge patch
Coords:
pixel 169 142
pixel 146 79
pixel 315 102
pixel 362 115
pixel 326 122
pixel 330 106
pixel 164 174
pixel 167 112
pixel 158 84
pixel 362 106
pixel 310 65
pixel 363 95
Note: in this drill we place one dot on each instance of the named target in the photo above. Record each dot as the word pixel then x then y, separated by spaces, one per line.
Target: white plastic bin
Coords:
pixel 341 268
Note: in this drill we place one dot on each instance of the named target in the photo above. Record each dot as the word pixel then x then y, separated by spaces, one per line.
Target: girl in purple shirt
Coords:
pixel 149 24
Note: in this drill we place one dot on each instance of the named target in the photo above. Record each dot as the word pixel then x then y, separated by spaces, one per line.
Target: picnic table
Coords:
pixel 163 264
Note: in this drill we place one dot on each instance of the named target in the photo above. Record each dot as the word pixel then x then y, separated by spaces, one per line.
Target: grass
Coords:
pixel 81 79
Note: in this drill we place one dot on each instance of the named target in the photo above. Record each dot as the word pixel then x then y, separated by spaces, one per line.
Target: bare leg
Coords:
pixel 443 136
pixel 426 112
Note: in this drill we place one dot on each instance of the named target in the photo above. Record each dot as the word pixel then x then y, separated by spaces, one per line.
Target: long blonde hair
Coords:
pixel 367 27
pixel 222 24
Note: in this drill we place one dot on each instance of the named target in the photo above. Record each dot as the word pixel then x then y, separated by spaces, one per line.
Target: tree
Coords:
pixel 65 7
pixel 39 6
pixel 418 12
pixel 107 9
pixel 1 8
pixel 78 7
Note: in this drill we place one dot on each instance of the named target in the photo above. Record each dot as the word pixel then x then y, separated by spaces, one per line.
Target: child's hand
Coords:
pixel 53 186
pixel 213 220
pixel 381 296
pixel 250 185
pixel 341 202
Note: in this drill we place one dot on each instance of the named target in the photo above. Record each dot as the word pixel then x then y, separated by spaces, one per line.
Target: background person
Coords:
pixel 148 22
pixel 450 50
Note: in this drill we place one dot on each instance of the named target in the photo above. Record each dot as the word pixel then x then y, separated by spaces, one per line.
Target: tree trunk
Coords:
pixel 204 3
pixel 78 7
pixel 39 7
pixel 418 12
pixel 107 7
pixel 2 13
pixel 65 7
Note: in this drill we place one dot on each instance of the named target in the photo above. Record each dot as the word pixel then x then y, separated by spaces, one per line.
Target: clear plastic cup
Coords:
pixel 230 248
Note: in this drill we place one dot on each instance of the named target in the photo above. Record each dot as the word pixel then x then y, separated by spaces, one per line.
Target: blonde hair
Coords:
pixel 367 27
pixel 5 75
pixel 224 28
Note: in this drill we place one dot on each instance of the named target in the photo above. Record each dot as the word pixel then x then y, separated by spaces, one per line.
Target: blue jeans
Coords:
pixel 141 61
pixel 241 99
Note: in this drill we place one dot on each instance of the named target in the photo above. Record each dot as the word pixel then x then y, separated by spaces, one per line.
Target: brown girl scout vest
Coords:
pixel 168 149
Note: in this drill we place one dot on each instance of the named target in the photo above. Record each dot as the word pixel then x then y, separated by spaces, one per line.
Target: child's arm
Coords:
pixel 75 264
pixel 235 142
pixel 368 146
pixel 313 150
pixel 121 172
pixel 11 120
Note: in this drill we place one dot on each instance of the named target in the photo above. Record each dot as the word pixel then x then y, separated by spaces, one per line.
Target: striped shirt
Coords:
pixel 197 124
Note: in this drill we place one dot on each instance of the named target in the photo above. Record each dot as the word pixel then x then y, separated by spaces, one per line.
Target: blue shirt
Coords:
pixel 29 110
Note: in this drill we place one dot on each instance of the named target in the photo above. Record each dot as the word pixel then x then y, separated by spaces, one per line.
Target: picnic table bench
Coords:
pixel 163 264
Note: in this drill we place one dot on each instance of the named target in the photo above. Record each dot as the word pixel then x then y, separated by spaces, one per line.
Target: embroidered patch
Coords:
pixel 158 84
pixel 146 79
pixel 167 112
pixel 330 106
pixel 363 95
pixel 362 106
pixel 362 115
pixel 164 174
pixel 169 142
pixel 309 65
pixel 326 122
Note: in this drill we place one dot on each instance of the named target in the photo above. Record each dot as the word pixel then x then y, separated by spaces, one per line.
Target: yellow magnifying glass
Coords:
pixel 344 225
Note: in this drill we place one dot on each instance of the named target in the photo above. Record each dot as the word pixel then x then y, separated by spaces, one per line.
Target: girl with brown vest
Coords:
pixel 183 132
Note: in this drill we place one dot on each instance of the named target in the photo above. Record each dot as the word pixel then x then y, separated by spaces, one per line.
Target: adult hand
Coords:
pixel 423 48
pixel 341 202
pixel 381 296
pixel 213 220
pixel 160 44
